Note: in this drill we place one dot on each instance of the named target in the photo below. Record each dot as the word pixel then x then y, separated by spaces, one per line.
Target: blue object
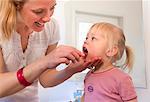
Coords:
pixel 77 95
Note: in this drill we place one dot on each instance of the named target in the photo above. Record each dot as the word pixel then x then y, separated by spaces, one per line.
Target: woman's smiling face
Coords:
pixel 35 13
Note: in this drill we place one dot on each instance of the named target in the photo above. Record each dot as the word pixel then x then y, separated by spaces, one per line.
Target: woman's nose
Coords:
pixel 47 16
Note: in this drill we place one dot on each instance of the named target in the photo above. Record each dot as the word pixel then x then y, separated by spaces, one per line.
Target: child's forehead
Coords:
pixel 91 33
pixel 95 31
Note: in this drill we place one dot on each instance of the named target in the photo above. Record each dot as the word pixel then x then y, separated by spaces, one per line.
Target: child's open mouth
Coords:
pixel 85 51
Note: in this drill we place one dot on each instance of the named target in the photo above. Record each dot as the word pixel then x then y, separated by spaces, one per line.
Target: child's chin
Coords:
pixel 88 57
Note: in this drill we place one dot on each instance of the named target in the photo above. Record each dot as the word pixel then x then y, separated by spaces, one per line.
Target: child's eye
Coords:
pixel 93 38
pixel 86 38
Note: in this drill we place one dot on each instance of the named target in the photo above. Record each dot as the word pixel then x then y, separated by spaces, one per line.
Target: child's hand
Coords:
pixel 82 64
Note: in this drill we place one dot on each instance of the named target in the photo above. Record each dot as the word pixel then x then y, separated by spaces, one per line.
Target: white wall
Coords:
pixel 59 16
pixel 144 94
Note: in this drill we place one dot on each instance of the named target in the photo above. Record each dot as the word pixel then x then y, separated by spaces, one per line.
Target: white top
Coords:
pixel 15 58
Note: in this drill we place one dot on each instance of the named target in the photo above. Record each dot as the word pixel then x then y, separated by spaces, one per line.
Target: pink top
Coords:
pixel 110 86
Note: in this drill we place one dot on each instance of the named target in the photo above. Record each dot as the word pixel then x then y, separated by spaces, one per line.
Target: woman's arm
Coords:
pixel 9 82
pixel 52 77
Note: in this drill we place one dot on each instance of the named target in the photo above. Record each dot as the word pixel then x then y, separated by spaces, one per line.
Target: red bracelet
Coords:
pixel 21 78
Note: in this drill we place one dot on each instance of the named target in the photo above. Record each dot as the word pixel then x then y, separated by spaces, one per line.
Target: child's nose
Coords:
pixel 85 42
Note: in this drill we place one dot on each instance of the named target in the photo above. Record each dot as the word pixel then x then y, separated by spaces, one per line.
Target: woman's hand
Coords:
pixel 62 54
pixel 82 64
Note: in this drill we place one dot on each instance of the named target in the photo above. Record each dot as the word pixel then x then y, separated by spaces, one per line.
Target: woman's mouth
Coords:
pixel 38 24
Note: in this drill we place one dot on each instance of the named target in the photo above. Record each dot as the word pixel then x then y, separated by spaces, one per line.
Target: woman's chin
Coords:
pixel 38 29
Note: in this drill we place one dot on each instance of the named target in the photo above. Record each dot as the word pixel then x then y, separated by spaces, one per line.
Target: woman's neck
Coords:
pixel 23 30
pixel 21 27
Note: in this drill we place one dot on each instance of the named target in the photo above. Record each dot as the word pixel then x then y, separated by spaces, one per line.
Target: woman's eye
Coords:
pixel 38 11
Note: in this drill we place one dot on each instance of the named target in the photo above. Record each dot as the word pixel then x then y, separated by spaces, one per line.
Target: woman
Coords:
pixel 28 52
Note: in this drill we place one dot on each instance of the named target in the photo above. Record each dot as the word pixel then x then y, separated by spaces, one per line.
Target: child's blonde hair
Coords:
pixel 115 37
pixel 8 12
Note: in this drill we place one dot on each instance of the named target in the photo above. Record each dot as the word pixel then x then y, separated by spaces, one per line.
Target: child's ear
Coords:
pixel 112 51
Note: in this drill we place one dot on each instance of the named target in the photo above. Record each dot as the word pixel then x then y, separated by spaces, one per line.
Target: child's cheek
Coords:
pixel 89 56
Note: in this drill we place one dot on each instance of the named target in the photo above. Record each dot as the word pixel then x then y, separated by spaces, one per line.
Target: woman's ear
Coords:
pixel 112 51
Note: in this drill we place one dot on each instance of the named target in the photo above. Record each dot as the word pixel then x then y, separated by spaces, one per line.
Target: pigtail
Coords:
pixel 129 58
pixel 8 18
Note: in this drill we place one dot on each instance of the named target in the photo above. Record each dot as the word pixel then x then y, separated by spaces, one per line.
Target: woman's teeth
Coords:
pixel 39 24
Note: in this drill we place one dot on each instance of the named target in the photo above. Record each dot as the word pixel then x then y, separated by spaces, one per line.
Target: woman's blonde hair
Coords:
pixel 8 12
pixel 115 37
